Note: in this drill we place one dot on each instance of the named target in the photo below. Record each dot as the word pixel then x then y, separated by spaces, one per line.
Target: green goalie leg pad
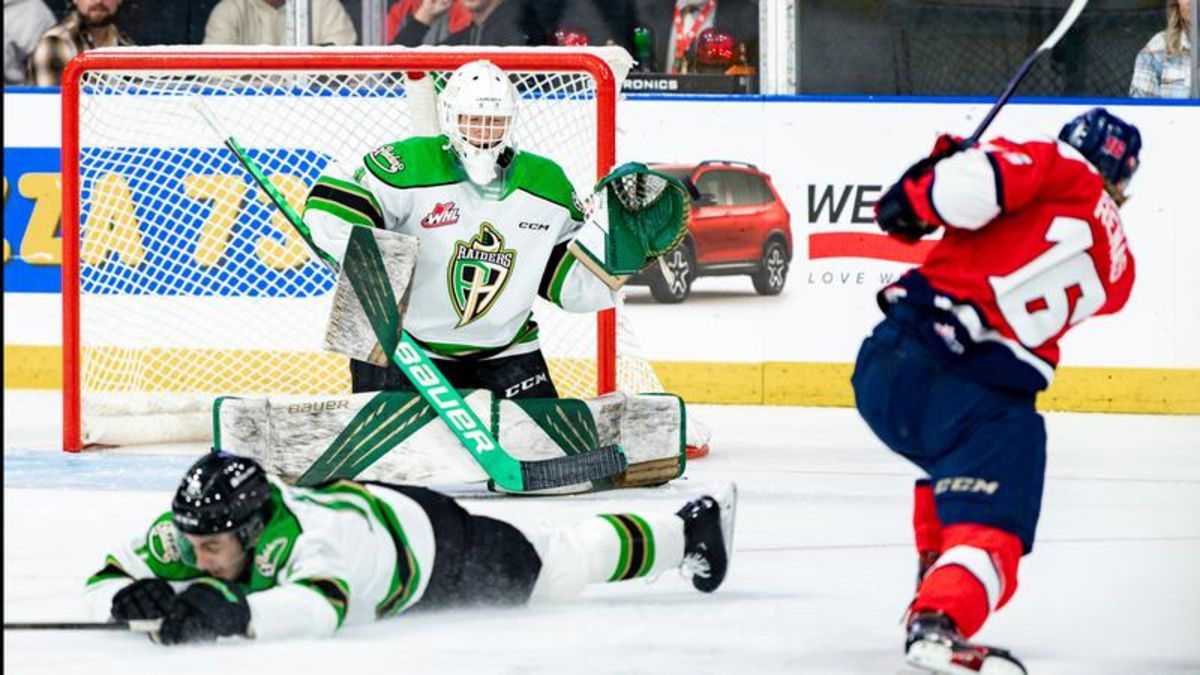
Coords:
pixel 381 425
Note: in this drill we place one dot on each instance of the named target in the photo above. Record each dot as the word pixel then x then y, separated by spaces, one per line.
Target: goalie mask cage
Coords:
pixel 182 283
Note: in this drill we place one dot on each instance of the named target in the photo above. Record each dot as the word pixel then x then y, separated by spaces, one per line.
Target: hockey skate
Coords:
pixel 708 538
pixel 935 645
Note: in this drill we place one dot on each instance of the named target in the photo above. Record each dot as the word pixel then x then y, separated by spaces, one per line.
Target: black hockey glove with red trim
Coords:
pixel 895 215
pixel 143 599
pixel 894 211
pixel 206 610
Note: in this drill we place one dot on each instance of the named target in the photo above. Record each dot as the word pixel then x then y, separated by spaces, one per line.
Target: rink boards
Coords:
pixel 829 159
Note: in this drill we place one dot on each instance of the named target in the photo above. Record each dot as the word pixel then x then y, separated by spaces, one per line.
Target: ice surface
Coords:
pixel 822 570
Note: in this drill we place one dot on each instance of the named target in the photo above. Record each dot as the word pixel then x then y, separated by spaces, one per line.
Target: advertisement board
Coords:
pixel 827 161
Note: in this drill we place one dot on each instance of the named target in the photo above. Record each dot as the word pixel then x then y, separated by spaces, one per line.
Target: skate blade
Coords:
pixel 936 657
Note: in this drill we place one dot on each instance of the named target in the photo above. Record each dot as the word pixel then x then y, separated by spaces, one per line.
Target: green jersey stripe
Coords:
pixel 339 210
pixel 112 570
pixel 407 574
pixel 336 591
pixel 352 188
pixel 333 503
pixel 350 200
pixel 560 277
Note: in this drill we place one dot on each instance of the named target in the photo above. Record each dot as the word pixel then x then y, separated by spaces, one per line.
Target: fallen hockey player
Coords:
pixel 242 554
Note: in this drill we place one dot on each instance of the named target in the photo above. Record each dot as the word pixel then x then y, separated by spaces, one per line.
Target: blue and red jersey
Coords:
pixel 1033 245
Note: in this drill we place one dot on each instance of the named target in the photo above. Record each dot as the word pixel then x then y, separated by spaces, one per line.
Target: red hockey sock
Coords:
pixel 927 528
pixel 975 574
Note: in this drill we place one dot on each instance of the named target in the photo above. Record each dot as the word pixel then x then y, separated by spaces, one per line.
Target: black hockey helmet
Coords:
pixel 1109 143
pixel 222 492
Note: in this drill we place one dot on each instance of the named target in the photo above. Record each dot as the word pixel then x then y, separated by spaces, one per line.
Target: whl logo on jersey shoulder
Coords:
pixel 479 270
pixel 443 214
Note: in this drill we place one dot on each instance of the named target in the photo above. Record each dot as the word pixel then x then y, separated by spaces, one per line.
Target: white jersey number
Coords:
pixel 1035 299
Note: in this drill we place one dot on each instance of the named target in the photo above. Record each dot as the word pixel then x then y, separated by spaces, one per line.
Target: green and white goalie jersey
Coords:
pixel 484 254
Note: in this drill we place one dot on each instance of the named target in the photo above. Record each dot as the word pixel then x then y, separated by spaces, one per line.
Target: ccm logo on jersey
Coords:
pixel 442 397
pixel 443 214
pixel 538 227
pixel 966 484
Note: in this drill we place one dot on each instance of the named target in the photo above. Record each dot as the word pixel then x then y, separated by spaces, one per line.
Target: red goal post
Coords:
pixel 118 216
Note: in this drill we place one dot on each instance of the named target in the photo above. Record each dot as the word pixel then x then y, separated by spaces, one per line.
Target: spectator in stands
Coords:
pixel 24 23
pixel 1163 68
pixel 264 22
pixel 678 24
pixel 90 24
pixel 400 13
pixel 603 22
pixel 493 23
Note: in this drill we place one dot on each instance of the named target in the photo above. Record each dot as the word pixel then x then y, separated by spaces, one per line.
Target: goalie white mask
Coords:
pixel 478 109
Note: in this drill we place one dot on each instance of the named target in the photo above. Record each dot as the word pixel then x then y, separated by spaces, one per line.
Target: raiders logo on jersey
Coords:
pixel 478 272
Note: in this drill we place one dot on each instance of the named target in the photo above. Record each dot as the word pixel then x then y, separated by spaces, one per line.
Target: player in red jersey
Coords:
pixel 1032 245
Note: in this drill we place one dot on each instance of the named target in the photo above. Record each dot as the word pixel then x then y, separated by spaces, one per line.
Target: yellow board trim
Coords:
pixel 1113 390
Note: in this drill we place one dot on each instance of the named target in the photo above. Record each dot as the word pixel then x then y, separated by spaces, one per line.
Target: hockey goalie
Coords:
pixel 471 230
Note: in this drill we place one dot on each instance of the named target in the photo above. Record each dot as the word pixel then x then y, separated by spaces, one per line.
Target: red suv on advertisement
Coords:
pixel 739 226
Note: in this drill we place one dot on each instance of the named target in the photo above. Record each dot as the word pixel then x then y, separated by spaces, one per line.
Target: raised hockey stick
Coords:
pixel 366 273
pixel 1064 25
pixel 137 626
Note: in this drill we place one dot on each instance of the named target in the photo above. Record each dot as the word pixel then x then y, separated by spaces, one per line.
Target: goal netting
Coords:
pixel 182 282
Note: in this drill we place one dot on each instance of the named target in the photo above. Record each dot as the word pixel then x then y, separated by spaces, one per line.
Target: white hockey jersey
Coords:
pixel 483 258
pixel 340 554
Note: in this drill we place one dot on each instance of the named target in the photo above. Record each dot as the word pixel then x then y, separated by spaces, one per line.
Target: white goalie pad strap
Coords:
pixel 349 331
pixel 979 563
pixel 964 190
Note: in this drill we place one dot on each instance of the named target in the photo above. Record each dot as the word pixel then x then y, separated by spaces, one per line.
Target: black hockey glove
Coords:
pixel 206 610
pixel 894 211
pixel 895 215
pixel 143 599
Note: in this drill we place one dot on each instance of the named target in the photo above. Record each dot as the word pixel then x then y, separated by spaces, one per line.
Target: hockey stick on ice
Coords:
pixel 1064 25
pixel 142 626
pixel 366 273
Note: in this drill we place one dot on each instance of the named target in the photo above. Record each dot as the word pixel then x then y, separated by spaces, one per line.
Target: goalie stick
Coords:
pixel 366 273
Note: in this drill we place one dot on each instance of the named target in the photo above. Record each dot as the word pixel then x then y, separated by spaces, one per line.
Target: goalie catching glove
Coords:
pixel 635 216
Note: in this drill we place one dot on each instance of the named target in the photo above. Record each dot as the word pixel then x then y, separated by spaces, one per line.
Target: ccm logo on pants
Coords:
pixel 966 484
pixel 526 385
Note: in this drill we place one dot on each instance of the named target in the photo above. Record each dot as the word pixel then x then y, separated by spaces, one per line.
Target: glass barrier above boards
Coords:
pixel 1116 48
pixel 684 46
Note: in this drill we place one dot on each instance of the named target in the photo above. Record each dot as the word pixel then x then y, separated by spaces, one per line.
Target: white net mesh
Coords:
pixel 193 286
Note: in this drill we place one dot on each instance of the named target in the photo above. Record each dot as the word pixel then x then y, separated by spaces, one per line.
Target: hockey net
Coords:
pixel 181 281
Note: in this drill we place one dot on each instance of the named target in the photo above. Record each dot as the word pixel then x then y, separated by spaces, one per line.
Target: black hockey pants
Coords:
pixel 477 560
pixel 520 376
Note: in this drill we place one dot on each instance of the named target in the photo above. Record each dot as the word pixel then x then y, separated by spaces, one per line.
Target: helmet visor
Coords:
pixel 186 553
